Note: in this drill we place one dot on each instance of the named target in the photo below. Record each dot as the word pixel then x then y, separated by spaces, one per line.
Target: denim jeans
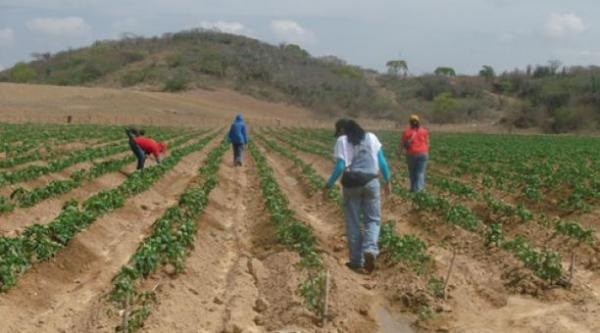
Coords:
pixel 362 202
pixel 139 154
pixel 238 149
pixel 417 166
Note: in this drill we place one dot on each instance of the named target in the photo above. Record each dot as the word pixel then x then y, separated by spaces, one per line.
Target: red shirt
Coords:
pixel 148 145
pixel 419 140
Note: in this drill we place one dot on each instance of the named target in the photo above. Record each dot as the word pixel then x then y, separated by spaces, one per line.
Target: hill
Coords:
pixel 208 59
pixel 543 97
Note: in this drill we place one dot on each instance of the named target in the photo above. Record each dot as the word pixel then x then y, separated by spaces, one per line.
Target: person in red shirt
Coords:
pixel 146 146
pixel 415 142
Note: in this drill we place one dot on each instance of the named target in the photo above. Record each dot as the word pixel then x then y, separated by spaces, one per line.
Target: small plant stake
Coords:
pixel 325 306
pixel 125 325
pixel 571 267
pixel 449 272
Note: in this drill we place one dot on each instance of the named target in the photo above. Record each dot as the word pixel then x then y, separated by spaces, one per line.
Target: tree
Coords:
pixel 395 66
pixel 444 71
pixel 487 72
pixel 554 66
pixel 443 105
pixel 21 72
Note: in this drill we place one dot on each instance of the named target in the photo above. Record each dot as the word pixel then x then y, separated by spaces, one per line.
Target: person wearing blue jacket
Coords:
pixel 238 138
pixel 359 160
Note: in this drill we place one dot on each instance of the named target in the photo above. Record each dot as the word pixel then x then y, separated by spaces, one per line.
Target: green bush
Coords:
pixel 22 72
pixel 175 84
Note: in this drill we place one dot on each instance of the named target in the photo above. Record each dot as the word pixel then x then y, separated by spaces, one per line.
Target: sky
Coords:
pixel 462 34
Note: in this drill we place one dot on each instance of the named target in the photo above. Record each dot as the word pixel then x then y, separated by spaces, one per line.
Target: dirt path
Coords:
pixel 354 297
pixel 58 295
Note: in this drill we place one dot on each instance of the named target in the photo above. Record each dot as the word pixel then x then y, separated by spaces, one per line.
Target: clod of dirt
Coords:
pixel 170 269
pixel 144 207
pixel 261 305
pixel 259 320
pixel 232 328
pixel 217 300
pixel 363 310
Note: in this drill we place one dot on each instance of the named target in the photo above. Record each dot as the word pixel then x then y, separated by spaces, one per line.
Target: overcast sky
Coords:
pixel 463 34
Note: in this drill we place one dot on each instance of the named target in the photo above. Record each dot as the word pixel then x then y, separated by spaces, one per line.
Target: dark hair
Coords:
pixel 339 127
pixel 142 132
pixel 355 133
pixel 134 131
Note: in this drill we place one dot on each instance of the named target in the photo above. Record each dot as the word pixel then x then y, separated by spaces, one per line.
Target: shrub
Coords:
pixel 21 72
pixel 175 84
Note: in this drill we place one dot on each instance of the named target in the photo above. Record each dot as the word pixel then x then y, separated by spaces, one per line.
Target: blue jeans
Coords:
pixel 362 202
pixel 238 149
pixel 417 166
pixel 139 154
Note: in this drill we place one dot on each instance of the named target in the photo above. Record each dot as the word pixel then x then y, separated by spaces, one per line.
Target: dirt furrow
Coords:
pixel 480 278
pixel 354 302
pixel 216 289
pixel 56 295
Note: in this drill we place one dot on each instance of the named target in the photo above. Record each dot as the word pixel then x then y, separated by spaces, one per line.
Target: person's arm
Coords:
pixel 230 134
pixel 383 166
pixel 129 134
pixel 336 173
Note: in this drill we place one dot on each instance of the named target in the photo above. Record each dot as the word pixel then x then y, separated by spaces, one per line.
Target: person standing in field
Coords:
pixel 142 146
pixel 359 159
pixel 415 142
pixel 238 138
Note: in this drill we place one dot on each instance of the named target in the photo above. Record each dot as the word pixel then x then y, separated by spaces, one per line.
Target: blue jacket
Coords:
pixel 237 132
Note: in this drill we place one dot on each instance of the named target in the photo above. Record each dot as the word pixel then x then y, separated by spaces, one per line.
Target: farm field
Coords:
pixel 197 245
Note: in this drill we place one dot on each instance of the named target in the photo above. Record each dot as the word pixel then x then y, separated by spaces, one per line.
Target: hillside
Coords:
pixel 207 59
pixel 544 97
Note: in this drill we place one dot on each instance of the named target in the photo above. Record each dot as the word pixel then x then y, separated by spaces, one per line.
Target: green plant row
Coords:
pixel 315 181
pixel 26 198
pixel 88 154
pixel 172 236
pixel 40 242
pixel 16 139
pixel 409 249
pixel 292 233
pixel 397 246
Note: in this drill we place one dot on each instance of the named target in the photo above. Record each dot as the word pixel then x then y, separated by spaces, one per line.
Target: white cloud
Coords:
pixel 224 26
pixel 59 26
pixel 563 25
pixel 7 36
pixel 291 31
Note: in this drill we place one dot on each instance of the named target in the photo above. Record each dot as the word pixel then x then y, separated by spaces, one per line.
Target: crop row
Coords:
pixel 460 215
pixel 26 198
pixel 172 237
pixel 406 248
pixel 40 242
pixel 88 154
pixel 292 233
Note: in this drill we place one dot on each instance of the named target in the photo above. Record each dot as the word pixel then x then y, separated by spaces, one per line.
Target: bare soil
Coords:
pixel 238 278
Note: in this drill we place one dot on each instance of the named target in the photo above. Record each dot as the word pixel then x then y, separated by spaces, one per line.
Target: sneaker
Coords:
pixel 353 267
pixel 369 262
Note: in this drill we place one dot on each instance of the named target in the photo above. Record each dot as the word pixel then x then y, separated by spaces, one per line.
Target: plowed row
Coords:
pixel 238 275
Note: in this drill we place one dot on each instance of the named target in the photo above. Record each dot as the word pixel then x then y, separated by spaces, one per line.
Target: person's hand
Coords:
pixel 387 189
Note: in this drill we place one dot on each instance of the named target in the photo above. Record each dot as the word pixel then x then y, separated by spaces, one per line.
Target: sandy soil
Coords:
pixel 237 278
pixel 56 296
